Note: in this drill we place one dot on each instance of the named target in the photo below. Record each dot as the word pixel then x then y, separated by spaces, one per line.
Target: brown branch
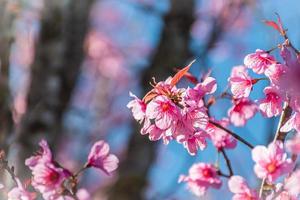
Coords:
pixel 239 138
pixel 228 163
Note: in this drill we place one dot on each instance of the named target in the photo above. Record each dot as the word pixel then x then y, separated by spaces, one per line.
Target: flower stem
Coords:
pixel 228 163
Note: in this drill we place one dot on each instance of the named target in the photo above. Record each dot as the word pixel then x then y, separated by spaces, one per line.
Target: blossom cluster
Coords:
pixel 55 182
pixel 168 112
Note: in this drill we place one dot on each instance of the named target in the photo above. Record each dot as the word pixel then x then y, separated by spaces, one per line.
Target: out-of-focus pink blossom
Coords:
pixel 138 108
pixel 1 186
pixel 293 145
pixel 241 83
pixel 271 105
pixel 100 157
pixel 292 123
pixel 20 193
pixel 271 162
pixel 201 177
pixel 83 194
pixel 220 138
pixel 163 111
pixel 241 190
pixel 292 184
pixel 259 61
pixel 241 111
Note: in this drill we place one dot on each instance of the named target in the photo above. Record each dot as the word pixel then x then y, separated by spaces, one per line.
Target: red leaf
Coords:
pixel 189 77
pixel 178 76
pixel 149 96
pixel 272 24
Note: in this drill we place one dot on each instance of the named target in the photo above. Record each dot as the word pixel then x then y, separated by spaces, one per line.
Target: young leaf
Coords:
pixel 149 96
pixel 178 76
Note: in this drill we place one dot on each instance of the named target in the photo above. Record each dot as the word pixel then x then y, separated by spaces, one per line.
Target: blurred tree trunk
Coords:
pixel 6 39
pixel 173 51
pixel 59 55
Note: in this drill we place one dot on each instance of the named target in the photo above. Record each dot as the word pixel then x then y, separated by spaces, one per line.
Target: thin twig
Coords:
pixel 239 138
pixel 228 163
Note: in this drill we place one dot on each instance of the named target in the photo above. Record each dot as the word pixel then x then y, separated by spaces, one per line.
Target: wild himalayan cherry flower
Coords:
pixel 1 186
pixel 259 61
pixel 292 123
pixel 82 194
pixel 201 177
pixel 271 162
pixel 241 83
pixel 99 157
pixel 293 145
pixel 292 184
pixel 163 111
pixel 20 193
pixel 221 139
pixel 48 177
pixel 279 193
pixel 241 111
pixel 271 105
pixel 241 190
pixel 138 108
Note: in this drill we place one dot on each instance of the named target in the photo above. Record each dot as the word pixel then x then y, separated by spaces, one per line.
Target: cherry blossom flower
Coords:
pixel 201 177
pixel 47 175
pixel 271 162
pixel 259 61
pixel 271 105
pixel 20 193
pixel 44 155
pixel 99 157
pixel 292 123
pixel 241 83
pixel 241 190
pixel 1 186
pixel 138 108
pixel 163 111
pixel 275 72
pixel 241 111
pixel 293 145
pixel 193 141
pixel 220 138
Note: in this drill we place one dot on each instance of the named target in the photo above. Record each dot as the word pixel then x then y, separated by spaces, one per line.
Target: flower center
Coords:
pixel 272 96
pixel 271 167
pixel 165 107
pixel 207 173
pixel 52 177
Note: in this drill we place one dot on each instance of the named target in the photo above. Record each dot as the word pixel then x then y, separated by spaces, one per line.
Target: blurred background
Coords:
pixel 67 68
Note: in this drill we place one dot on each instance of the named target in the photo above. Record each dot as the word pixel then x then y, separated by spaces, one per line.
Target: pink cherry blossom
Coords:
pixel 20 193
pixel 193 141
pixel 271 105
pixel 163 111
pixel 99 157
pixel 201 177
pixel 138 108
pixel 241 190
pixel 44 155
pixel 293 145
pixel 271 162
pixel 241 111
pixel 1 186
pixel 241 83
pixel 48 179
pixel 275 72
pixel 292 123
pixel 220 138
pixel 259 61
